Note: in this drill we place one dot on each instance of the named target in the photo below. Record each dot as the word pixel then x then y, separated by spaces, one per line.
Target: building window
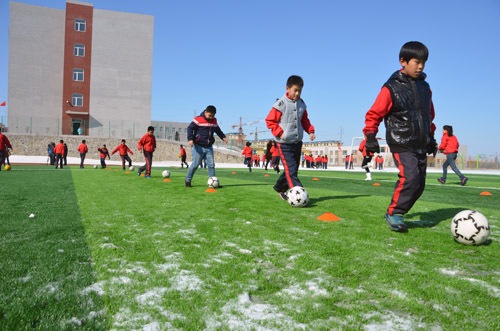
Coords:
pixel 77 100
pixel 78 75
pixel 80 25
pixel 79 50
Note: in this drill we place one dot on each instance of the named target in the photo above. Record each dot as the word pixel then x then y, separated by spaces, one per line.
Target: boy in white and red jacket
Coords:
pixel 449 146
pixel 124 150
pixel 288 120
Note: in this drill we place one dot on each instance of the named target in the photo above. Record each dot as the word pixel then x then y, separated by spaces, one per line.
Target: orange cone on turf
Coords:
pixel 266 175
pixel 127 172
pixel 167 180
pixel 234 172
pixel 328 217
pixel 315 178
pixel 376 184
pixel 485 193
pixel 117 169
pixel 211 190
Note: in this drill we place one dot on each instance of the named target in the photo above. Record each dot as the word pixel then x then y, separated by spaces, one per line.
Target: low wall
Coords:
pixel 166 150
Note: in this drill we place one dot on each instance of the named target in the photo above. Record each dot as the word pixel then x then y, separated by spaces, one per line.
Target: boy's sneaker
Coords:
pixel 283 196
pixel 442 181
pixel 138 172
pixel 147 176
pixel 396 222
pixel 464 181
pixel 187 184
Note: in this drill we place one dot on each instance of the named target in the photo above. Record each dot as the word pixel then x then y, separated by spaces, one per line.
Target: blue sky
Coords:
pixel 237 56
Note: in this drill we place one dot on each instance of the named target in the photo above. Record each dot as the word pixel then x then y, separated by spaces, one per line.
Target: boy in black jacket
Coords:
pixel 405 105
pixel 201 138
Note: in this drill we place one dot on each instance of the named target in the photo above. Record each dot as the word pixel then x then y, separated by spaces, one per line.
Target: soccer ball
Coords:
pixel 298 197
pixel 213 182
pixel 131 168
pixel 95 166
pixel 7 167
pixel 470 227
pixel 165 173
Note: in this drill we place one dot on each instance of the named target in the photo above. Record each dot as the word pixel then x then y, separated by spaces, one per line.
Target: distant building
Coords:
pixel 79 68
pixel 170 130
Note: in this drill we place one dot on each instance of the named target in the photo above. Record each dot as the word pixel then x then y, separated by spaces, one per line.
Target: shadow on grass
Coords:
pixel 431 218
pixel 312 202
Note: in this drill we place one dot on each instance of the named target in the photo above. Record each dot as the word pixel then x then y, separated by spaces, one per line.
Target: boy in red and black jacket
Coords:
pixel 4 144
pixel 367 158
pixel 103 152
pixel 288 120
pixel 59 151
pixel 405 105
pixel 124 150
pixel 201 138
pixel 83 149
pixel 147 145
pixel 247 151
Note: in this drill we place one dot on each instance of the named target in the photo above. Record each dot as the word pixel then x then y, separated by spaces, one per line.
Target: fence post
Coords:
pixel 109 130
pixel 461 161
pixel 84 127
pixel 31 123
pixel 57 127
pixel 477 162
pixel 133 129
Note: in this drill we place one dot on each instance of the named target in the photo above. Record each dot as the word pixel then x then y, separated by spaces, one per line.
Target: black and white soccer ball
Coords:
pixel 213 182
pixel 131 168
pixel 470 227
pixel 165 173
pixel 298 197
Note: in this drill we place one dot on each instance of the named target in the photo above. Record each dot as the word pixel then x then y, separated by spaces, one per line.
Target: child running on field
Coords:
pixel 367 158
pixel 183 158
pixel 405 105
pixel 449 146
pixel 103 152
pixel 83 149
pixel 124 150
pixel 147 146
pixel 247 151
pixel 288 120
pixel 201 138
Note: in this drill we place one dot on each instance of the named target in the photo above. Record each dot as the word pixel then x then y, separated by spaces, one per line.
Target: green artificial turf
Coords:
pixel 150 254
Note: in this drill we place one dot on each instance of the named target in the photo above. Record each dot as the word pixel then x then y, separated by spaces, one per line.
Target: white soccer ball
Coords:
pixel 298 197
pixel 131 168
pixel 165 173
pixel 95 166
pixel 213 182
pixel 470 227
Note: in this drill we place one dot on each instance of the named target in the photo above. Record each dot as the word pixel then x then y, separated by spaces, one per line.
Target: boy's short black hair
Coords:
pixel 413 50
pixel 151 128
pixel 448 129
pixel 295 80
pixel 104 145
pixel 83 141
pixel 182 146
pixel 211 109
pixel 123 140
pixel 61 141
pixel 248 144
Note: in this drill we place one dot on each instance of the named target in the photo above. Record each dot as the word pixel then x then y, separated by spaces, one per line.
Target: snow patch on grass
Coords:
pixel 96 287
pixel 152 297
pixel 108 245
pixel 391 321
pixel 186 281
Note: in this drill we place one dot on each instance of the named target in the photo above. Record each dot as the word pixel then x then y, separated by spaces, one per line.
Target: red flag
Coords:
pixel 3 103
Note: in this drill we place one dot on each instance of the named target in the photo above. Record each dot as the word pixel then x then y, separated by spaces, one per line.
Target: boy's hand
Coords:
pixel 225 140
pixel 371 144
pixel 312 136
pixel 190 143
pixel 432 147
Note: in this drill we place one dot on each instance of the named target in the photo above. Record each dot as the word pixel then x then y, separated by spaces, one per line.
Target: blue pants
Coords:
pixel 199 153
pixel 411 183
pixel 290 156
pixel 450 161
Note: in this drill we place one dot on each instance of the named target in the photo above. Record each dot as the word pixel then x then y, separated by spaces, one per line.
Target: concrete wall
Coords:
pixel 122 62
pixel 165 151
pixel 36 41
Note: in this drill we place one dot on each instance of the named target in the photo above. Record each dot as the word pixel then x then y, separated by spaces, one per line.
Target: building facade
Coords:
pixel 79 71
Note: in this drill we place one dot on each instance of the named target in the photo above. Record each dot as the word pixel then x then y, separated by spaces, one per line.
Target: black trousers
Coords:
pixel 59 160
pixel 149 160
pixel 2 158
pixel 65 158
pixel 290 156
pixel 364 165
pixel 82 159
pixel 125 158
pixel 411 183
pixel 103 162
pixel 183 161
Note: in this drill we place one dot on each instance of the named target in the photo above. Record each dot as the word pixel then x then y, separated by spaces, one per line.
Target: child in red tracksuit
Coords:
pixel 405 105
pixel 449 146
pixel 103 152
pixel 247 151
pixel 59 151
pixel 124 150
pixel 183 158
pixel 288 120
pixel 83 149
pixel 367 158
pixel 147 145
pixel 275 161
pixel 4 144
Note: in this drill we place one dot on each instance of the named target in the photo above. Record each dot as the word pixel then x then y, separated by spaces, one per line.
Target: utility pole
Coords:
pixel 341 131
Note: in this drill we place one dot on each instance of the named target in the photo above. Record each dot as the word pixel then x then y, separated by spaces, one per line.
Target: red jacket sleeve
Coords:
pixel 128 149
pixel 444 140
pixel 272 120
pixel 114 150
pixel 306 124
pixel 378 110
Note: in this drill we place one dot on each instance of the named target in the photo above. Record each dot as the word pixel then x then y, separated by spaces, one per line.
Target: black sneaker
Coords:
pixel 283 196
pixel 187 184
pixel 441 180
pixel 464 181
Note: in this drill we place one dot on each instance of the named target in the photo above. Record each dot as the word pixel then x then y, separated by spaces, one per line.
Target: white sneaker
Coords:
pixel 368 176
